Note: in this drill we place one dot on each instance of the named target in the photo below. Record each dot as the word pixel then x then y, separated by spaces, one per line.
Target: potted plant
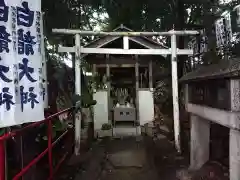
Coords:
pixel 106 130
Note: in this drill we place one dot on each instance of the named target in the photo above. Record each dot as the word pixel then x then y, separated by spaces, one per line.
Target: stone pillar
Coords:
pixel 234 135
pixel 109 89
pixel 234 155
pixel 137 88
pixel 150 79
pixel 186 96
pixel 200 138
pixel 235 95
pixel 94 73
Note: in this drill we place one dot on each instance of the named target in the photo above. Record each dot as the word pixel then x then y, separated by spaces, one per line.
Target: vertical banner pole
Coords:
pixel 2 160
pixel 50 158
pixel 44 65
pixel 78 92
pixel 175 93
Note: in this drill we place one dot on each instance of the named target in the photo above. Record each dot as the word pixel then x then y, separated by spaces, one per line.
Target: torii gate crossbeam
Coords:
pixel 173 51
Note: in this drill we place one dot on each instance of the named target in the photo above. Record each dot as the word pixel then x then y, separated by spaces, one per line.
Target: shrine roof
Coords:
pixel 145 42
pixel 223 69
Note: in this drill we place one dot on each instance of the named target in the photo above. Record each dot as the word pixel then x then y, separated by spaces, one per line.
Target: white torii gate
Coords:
pixel 173 51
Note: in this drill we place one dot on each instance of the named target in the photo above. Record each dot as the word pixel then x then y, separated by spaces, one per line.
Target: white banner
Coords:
pixel 21 87
pixel 219 27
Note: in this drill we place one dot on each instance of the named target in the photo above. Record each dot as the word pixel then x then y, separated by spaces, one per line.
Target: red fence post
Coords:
pixel 2 160
pixel 50 149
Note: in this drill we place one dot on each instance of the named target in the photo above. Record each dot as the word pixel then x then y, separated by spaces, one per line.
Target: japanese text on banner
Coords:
pixel 21 90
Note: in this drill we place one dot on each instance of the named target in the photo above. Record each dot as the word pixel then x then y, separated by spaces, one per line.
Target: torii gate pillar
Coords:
pixel 78 115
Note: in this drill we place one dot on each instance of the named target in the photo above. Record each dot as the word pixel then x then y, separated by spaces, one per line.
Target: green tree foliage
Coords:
pixel 140 15
pixel 64 14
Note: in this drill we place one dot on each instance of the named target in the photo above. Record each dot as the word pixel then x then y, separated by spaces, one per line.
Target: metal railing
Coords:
pixel 51 144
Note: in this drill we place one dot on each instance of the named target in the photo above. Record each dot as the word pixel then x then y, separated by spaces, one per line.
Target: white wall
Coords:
pixel 100 109
pixel 146 106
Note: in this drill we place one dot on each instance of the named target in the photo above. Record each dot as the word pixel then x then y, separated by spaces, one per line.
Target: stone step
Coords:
pixel 126 131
